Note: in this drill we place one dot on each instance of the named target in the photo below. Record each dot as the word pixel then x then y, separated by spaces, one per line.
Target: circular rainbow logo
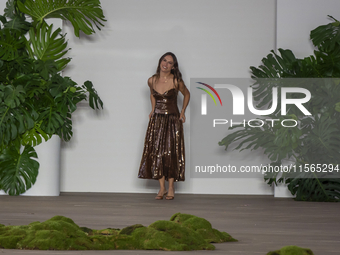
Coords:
pixel 209 93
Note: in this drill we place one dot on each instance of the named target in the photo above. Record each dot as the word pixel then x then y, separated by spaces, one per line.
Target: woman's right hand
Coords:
pixel 150 115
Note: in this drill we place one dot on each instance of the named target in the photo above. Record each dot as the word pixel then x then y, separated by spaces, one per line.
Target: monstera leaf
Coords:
pixel 306 188
pixel 47 45
pixel 315 141
pixel 18 171
pixel 94 99
pixel 17 20
pixel 65 131
pixel 48 68
pixel 327 37
pixel 52 120
pixel 14 118
pixel 11 41
pixel 321 145
pixel 81 13
pixel 328 63
pixel 18 23
pixel 275 66
pixel 269 75
pixel 13 121
pixel 10 9
pixel 278 142
pixel 34 136
pixel 14 96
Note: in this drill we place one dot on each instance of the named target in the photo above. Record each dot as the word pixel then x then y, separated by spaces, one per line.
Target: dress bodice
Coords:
pixel 166 103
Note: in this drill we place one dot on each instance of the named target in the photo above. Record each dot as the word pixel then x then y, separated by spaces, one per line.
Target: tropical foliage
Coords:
pixel 36 101
pixel 314 145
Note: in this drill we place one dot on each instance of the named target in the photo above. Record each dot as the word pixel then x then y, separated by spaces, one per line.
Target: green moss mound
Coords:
pixel 202 227
pixel 183 232
pixel 291 250
pixel 176 235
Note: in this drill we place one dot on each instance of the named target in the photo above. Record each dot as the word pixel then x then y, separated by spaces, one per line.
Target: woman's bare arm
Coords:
pixel 153 101
pixel 186 94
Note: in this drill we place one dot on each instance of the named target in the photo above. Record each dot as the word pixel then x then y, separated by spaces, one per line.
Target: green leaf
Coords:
pixel 18 171
pixel 81 13
pixel 18 23
pixel 326 36
pixel 271 176
pixel 65 132
pixel 66 94
pixel 11 41
pixel 47 46
pixel 94 99
pixel 13 122
pixel 11 71
pixel 46 68
pixel 306 188
pixel 321 145
pixel 60 84
pixel 2 93
pixel 14 96
pixel 33 137
pixel 52 120
pixel 3 21
pixel 337 107
pixel 9 11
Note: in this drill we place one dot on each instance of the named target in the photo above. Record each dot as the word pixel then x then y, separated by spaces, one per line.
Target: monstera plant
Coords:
pixel 314 145
pixel 36 101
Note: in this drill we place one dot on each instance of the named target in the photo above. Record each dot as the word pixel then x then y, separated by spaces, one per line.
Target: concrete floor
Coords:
pixel 260 223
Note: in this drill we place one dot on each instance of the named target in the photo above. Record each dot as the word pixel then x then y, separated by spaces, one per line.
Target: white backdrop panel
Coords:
pixel 210 38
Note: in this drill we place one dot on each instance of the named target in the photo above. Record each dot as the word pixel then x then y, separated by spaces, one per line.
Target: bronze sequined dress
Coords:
pixel 163 153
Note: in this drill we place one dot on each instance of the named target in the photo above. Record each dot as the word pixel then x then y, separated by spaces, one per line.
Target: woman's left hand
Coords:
pixel 182 117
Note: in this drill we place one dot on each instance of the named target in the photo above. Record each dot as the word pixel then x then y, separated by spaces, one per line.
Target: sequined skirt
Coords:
pixel 163 153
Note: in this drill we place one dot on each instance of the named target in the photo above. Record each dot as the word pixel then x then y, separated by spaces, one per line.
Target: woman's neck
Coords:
pixel 164 74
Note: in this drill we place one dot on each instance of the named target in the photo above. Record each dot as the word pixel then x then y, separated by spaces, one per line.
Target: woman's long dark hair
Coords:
pixel 175 71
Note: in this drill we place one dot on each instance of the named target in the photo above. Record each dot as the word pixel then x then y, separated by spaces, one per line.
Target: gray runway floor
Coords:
pixel 260 223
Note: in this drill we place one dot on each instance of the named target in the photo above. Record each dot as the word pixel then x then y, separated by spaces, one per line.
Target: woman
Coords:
pixel 163 156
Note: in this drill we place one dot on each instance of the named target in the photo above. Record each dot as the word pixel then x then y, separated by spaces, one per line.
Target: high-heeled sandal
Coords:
pixel 169 198
pixel 161 197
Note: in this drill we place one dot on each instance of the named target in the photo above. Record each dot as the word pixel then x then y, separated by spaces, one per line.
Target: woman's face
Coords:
pixel 167 64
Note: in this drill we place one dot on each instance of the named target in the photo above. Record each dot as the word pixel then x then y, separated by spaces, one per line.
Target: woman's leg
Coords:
pixel 171 190
pixel 162 189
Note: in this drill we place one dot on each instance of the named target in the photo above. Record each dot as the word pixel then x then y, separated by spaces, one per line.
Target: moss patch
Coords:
pixel 183 232
pixel 291 250
pixel 202 227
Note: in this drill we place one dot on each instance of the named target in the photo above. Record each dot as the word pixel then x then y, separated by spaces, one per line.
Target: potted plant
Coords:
pixel 313 145
pixel 36 101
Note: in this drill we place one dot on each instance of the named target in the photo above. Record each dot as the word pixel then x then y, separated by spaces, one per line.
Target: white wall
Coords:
pixel 210 38
pixel 219 38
